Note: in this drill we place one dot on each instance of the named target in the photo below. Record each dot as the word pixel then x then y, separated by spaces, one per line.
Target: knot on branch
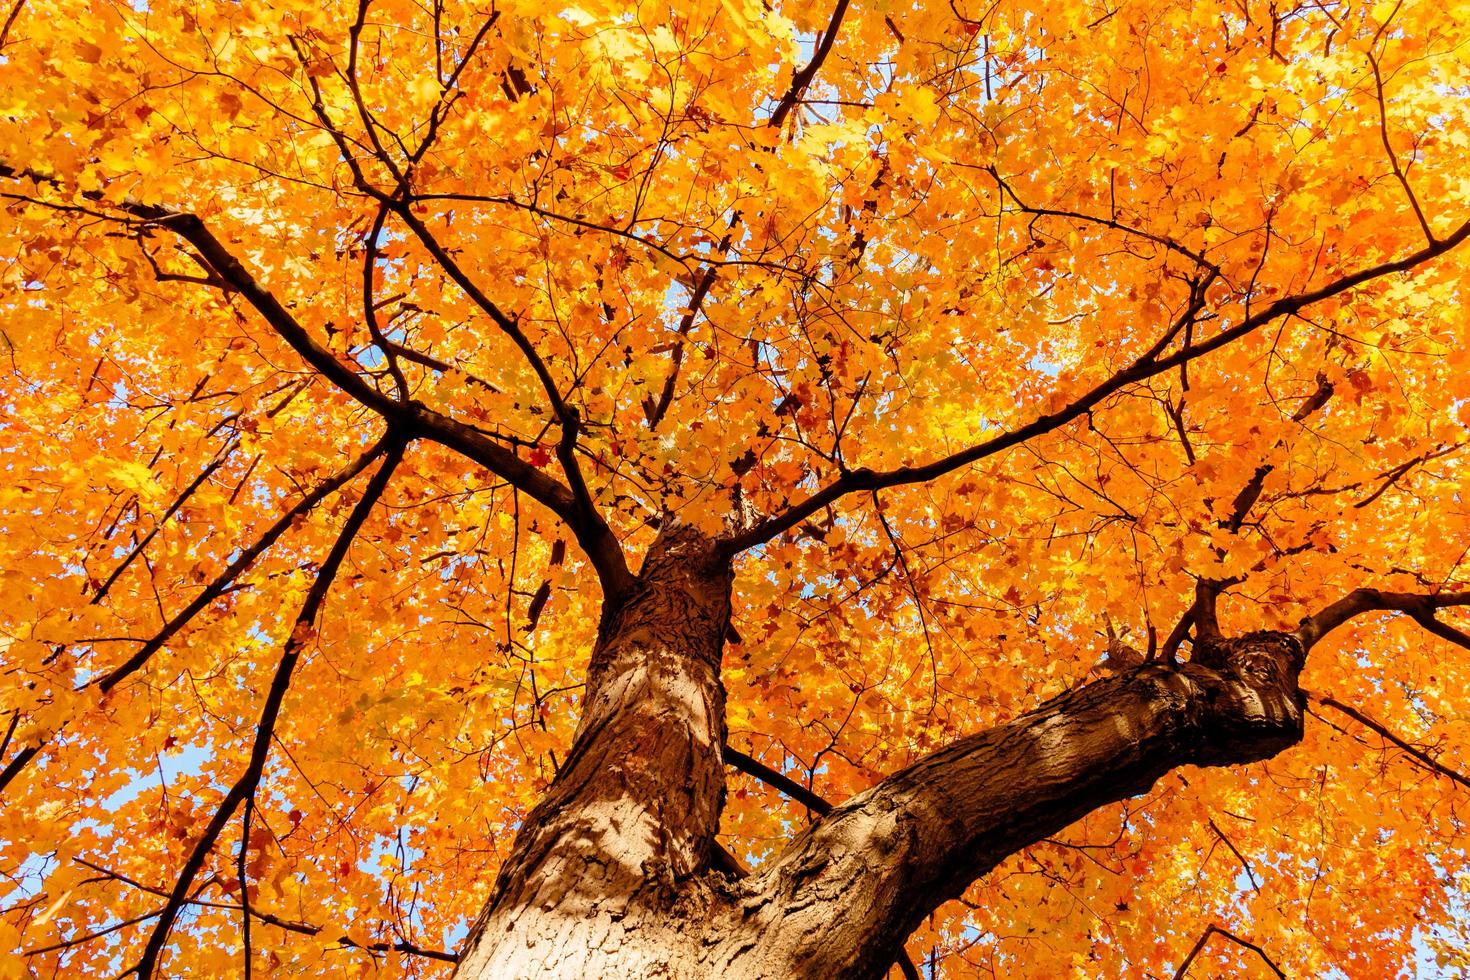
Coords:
pixel 682 593
pixel 685 549
pixel 1254 707
pixel 1262 657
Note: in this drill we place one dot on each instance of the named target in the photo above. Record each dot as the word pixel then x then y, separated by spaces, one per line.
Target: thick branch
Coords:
pixel 418 418
pixel 573 504
pixel 1421 607
pixel 1147 366
pixel 1202 615
pixel 758 770
pixel 891 855
pixel 578 510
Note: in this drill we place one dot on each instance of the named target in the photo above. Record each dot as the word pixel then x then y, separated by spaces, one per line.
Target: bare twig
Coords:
pixel 1393 160
pixel 1383 732
pixel 178 501
pixel 218 587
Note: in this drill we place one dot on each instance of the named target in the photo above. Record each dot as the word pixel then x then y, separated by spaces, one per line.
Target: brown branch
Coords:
pixel 802 79
pixel 573 504
pixel 9 731
pixel 1393 160
pixel 242 562
pixel 370 307
pixel 319 109
pixel 242 871
pixel 401 946
pixel 449 85
pixel 1236 851
pixel 91 936
pixel 578 508
pixel 444 367
pixel 1205 618
pixel 244 787
pixel 1169 652
pixel 758 770
pixel 507 324
pixel 1383 732
pixel 1392 476
pixel 1202 614
pixel 1110 223
pixel 1421 607
pixel 666 395
pixel 1176 412
pixel 173 508
pixel 1251 492
pixel 218 587
pixel 958 812
pixel 369 124
pixel 192 229
pixel 1214 930
pixel 1148 365
pixel 10 22
pixel 302 928
pixel 582 513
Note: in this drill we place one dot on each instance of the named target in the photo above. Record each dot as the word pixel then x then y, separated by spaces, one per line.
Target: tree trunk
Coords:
pixel 599 881
pixel 614 873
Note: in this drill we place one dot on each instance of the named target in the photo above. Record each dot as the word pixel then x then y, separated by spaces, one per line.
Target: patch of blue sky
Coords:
pixel 189 761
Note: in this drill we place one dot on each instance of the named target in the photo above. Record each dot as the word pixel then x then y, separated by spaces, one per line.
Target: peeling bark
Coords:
pixel 613 874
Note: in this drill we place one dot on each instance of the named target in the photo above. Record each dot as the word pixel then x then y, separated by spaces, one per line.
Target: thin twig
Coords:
pixel 1383 732
pixel 221 584
pixel 147 965
pixel 1214 930
pixel 802 79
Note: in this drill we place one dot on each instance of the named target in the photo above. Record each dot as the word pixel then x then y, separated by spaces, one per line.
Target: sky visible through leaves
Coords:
pixel 969 219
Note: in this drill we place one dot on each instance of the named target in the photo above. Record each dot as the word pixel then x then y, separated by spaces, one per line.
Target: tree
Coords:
pixel 733 489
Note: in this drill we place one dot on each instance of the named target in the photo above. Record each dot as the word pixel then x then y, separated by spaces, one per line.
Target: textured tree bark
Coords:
pixel 601 879
pixel 612 874
pixel 843 896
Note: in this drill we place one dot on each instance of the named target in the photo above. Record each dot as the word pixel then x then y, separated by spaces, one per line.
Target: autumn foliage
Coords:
pixel 351 352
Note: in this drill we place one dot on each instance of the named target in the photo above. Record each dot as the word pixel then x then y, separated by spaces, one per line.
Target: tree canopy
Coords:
pixel 352 354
